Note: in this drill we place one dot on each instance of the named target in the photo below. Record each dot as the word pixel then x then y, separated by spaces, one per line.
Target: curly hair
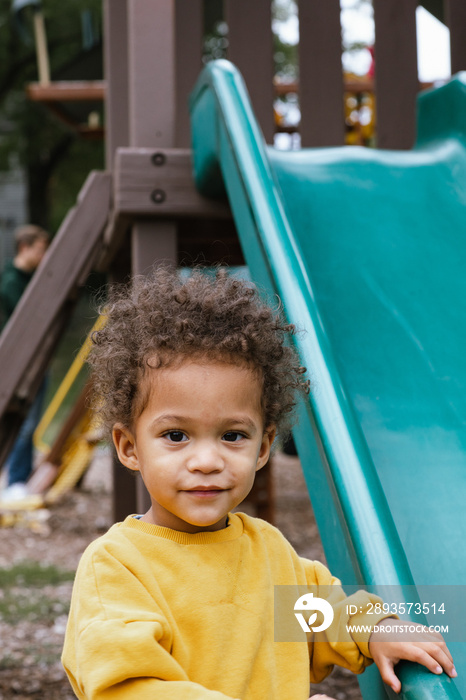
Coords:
pixel 158 320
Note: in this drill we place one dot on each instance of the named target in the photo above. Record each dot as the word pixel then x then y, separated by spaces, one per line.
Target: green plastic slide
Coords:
pixel 367 250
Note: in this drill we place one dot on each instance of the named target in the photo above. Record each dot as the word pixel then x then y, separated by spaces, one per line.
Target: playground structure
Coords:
pixel 145 208
pixel 63 460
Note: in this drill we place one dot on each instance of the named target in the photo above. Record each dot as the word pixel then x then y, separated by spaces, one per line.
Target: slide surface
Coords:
pixel 367 250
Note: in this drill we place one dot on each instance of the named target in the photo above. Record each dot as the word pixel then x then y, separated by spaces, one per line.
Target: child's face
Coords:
pixel 33 254
pixel 197 443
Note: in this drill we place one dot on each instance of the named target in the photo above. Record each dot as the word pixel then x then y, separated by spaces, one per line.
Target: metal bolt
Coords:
pixel 158 196
pixel 158 159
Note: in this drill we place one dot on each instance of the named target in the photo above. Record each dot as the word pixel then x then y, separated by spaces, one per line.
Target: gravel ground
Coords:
pixel 31 645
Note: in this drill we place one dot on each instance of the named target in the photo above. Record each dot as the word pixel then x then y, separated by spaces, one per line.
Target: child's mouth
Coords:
pixel 206 491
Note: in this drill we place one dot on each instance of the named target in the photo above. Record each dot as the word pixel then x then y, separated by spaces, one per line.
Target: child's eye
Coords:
pixel 233 436
pixel 176 436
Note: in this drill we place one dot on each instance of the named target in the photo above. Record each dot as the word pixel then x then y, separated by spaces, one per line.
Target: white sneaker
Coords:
pixel 15 492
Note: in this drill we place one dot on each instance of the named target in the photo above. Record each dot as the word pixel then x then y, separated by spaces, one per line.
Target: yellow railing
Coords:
pixel 57 402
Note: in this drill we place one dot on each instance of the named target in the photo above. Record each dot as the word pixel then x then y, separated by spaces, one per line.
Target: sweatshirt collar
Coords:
pixel 233 530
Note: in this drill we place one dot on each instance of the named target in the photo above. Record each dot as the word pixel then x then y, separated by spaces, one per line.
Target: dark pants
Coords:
pixel 20 460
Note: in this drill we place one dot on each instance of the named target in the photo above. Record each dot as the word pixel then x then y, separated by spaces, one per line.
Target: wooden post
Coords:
pixel 188 64
pixel 154 242
pixel 396 75
pixel 251 50
pixel 116 136
pixel 321 73
pixel 151 62
pixel 456 21
pixel 152 118
pixel 116 74
pixel 41 48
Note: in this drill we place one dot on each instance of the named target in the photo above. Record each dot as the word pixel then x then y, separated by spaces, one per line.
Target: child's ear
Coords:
pixel 125 445
pixel 266 446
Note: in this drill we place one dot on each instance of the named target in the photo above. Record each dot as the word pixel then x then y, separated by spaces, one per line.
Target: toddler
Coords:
pixel 195 377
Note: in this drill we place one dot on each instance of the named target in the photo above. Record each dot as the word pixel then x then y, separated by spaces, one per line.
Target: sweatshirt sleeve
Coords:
pixel 346 642
pixel 118 647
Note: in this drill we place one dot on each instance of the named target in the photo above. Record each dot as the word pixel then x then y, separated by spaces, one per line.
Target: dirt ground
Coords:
pixel 33 606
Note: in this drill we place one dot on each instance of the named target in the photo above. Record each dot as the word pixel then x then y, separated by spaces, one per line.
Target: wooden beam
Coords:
pixel 189 34
pixel 124 490
pixel 159 182
pixel 321 73
pixel 152 120
pixel 250 48
pixel 67 91
pixel 124 499
pixel 396 74
pixel 357 85
pixel 116 57
pixel 455 12
pixel 153 246
pixel 70 254
pixel 116 75
pixel 151 62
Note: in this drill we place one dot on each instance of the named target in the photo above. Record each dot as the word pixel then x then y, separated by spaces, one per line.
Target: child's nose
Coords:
pixel 206 458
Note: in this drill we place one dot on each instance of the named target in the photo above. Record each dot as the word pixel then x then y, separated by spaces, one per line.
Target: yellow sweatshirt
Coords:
pixel 166 615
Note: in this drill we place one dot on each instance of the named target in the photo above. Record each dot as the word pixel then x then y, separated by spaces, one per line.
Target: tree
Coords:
pixel 29 133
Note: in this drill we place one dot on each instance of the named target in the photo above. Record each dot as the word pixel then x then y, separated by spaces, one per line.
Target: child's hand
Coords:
pixel 432 652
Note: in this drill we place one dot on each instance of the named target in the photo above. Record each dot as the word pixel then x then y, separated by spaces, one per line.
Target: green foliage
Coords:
pixel 285 58
pixel 69 176
pixel 285 53
pixel 215 31
pixel 29 133
pixel 282 9
pixel 64 38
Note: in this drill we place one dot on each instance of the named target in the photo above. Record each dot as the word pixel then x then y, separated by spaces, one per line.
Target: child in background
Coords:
pixel 31 243
pixel 195 378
